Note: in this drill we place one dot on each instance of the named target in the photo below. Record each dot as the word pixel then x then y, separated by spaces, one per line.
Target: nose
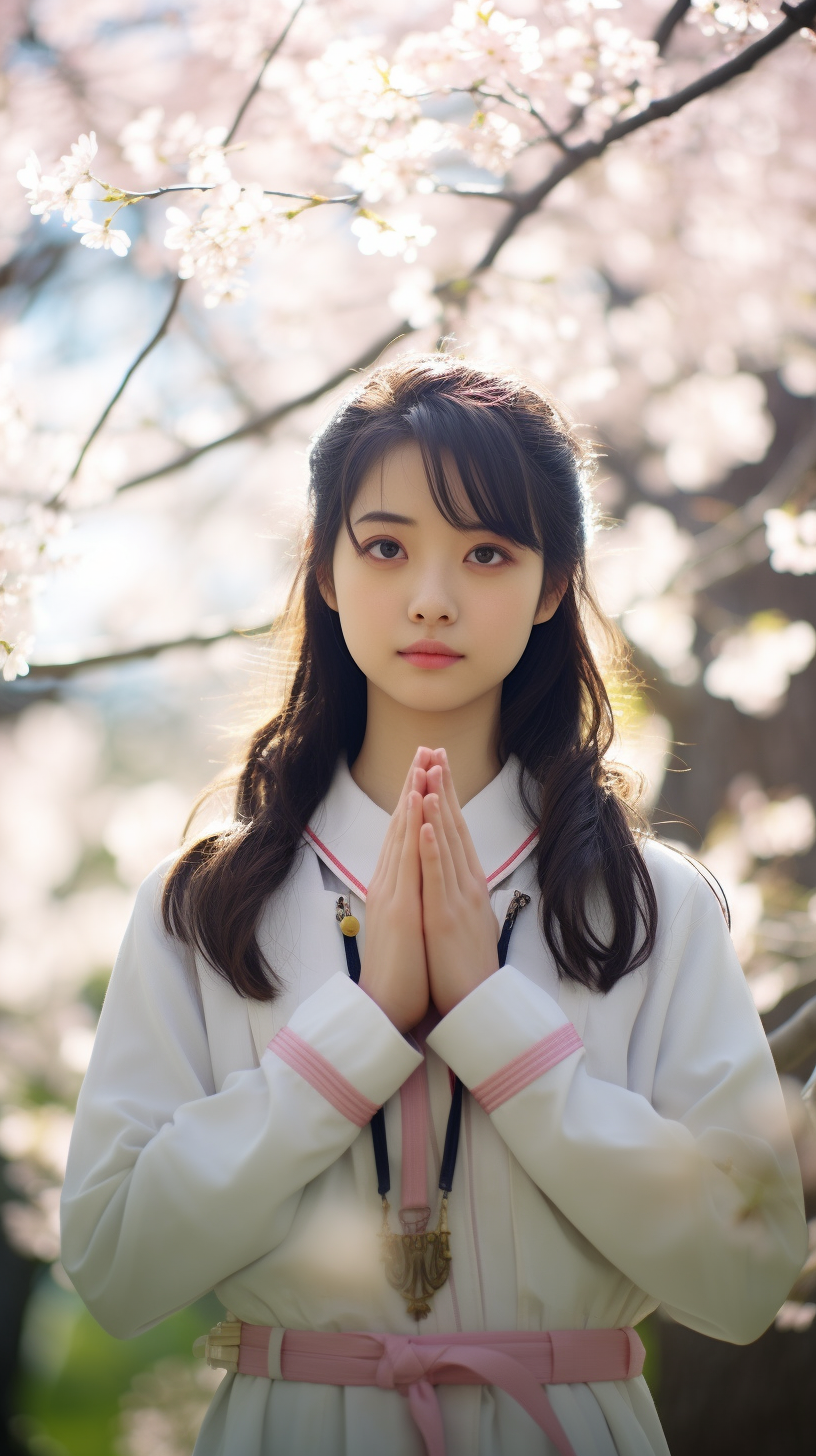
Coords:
pixel 431 602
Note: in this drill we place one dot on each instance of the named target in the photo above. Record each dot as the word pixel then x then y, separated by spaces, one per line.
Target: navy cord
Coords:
pixel 378 1120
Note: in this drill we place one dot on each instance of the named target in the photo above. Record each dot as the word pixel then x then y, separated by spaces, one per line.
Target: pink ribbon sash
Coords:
pixel 518 1362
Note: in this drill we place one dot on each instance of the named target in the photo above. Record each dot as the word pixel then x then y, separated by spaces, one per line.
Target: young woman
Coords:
pixel 581 1118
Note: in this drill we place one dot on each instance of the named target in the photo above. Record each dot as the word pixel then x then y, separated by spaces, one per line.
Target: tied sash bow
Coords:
pixel 413 1365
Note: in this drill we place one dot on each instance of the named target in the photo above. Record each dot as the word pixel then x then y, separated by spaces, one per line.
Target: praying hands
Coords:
pixel 430 930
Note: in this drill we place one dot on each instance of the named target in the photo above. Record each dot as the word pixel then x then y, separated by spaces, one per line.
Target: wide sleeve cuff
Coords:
pixel 344 1045
pixel 506 1034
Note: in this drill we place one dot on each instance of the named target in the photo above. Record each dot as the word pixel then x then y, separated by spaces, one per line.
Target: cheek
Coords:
pixel 366 602
pixel 507 612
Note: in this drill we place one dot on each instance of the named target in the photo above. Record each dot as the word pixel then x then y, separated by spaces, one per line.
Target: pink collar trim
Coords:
pixel 345 872
pixel 338 864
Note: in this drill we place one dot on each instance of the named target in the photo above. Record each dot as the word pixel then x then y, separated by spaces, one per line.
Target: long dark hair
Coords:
pixel 524 473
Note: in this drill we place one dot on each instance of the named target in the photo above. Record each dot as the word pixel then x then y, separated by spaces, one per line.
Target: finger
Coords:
pixel 416 766
pixel 453 837
pixel 434 894
pixel 408 870
pixel 414 780
pixel 474 864
pixel 433 815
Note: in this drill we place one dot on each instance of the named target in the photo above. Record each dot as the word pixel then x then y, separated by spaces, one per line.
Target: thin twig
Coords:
pixel 256 424
pixel 151 344
pixel 70 666
pixel 269 56
pixel 550 133
pixel 56 499
pixel 316 198
pixel 669 23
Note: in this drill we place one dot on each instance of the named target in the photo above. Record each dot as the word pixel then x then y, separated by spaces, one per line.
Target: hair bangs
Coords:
pixel 490 469
pixel 490 473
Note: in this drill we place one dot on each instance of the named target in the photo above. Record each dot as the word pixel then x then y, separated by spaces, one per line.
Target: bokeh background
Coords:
pixel 618 199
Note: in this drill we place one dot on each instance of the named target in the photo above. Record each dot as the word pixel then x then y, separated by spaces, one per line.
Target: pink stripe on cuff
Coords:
pixel 320 1074
pixel 527 1067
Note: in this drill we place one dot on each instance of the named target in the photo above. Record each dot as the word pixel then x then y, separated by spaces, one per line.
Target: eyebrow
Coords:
pixel 389 516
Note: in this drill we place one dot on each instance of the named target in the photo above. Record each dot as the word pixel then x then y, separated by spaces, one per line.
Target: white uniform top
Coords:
pixel 653 1167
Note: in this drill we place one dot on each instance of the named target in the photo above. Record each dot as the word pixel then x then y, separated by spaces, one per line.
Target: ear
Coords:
pixel 549 604
pixel 325 585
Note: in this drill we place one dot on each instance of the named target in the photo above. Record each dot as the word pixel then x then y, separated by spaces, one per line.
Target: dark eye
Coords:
pixel 384 550
pixel 486 555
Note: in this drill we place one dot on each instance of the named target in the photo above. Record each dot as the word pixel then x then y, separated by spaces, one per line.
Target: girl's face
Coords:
pixel 434 616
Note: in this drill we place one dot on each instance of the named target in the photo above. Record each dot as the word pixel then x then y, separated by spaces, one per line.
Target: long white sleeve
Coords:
pixel 695 1194
pixel 172 1187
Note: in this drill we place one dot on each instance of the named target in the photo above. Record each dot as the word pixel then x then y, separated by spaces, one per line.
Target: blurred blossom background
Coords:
pixel 213 213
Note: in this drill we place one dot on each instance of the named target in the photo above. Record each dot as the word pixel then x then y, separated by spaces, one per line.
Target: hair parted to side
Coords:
pixel 524 473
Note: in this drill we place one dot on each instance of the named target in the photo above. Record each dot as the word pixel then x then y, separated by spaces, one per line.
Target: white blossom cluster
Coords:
pixel 719 17
pixel 792 541
pixel 216 246
pixel 151 143
pixel 754 665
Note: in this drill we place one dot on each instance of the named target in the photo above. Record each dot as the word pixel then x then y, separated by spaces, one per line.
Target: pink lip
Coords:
pixel 427 653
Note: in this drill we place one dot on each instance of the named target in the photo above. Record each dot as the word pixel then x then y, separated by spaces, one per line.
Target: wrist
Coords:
pixel 456 989
pixel 403 1012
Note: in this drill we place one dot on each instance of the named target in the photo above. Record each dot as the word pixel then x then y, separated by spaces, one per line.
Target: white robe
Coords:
pixel 653 1167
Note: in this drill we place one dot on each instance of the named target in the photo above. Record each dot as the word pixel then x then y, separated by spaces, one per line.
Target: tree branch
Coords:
pixel 796 18
pixel 256 424
pixel 669 23
pixel 795 1039
pixel 69 666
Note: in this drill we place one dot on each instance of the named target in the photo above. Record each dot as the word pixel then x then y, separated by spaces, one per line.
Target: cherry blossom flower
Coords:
pixel 76 166
pixel 102 235
pixel 397 238
pixel 207 161
pixel 66 190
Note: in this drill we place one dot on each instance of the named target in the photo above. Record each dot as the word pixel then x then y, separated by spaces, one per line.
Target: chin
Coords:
pixel 429 697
